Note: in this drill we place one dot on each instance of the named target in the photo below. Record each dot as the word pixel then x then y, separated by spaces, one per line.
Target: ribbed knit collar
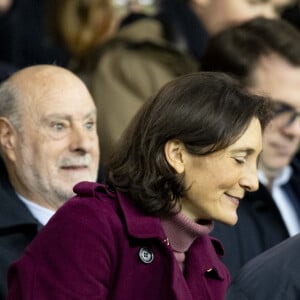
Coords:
pixel 182 231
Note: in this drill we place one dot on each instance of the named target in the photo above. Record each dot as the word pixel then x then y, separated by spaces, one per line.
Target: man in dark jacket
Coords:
pixel 273 274
pixel 17 226
pixel 48 143
pixel 264 55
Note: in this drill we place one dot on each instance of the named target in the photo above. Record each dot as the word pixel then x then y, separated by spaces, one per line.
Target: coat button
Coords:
pixel 146 255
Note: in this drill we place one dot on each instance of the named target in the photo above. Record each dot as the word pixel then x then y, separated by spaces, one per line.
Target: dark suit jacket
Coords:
pixel 272 275
pixel 17 228
pixel 260 226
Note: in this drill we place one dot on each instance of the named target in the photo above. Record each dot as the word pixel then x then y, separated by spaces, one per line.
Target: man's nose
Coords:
pixel 82 140
pixel 293 127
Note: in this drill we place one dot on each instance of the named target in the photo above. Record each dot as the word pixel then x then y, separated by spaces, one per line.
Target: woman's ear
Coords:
pixel 174 155
pixel 7 138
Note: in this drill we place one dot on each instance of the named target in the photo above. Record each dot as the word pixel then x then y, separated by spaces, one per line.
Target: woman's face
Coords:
pixel 217 182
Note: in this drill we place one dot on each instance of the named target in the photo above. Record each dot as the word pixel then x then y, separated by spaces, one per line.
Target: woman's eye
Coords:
pixel 240 160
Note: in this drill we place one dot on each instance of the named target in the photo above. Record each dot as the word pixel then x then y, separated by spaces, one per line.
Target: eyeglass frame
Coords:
pixel 285 108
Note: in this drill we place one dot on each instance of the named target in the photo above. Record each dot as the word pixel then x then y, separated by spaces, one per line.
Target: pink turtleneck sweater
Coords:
pixel 181 233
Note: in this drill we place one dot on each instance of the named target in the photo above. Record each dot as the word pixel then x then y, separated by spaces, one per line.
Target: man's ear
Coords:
pixel 174 155
pixel 7 138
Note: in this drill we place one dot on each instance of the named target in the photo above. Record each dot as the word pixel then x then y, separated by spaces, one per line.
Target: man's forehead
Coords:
pixel 40 80
pixel 70 115
pixel 58 96
pixel 276 78
pixel 274 72
pixel 58 106
pixel 273 60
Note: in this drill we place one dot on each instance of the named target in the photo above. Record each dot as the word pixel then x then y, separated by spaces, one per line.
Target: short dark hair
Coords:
pixel 206 111
pixel 237 50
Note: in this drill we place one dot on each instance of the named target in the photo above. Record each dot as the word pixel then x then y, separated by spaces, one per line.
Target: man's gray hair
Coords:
pixel 10 102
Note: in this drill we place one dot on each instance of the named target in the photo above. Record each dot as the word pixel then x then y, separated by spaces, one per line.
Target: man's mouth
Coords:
pixel 282 150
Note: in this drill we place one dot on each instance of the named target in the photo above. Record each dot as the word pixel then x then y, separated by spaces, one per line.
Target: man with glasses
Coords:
pixel 264 55
pixel 287 113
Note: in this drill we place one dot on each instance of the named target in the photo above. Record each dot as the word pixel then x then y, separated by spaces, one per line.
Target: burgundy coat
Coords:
pixel 99 246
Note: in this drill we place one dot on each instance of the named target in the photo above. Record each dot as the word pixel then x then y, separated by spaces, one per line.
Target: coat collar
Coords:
pixel 138 223
pixel 142 226
pixel 13 212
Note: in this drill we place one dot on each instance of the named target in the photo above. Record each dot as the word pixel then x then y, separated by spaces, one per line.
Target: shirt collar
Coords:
pixel 283 178
pixel 42 214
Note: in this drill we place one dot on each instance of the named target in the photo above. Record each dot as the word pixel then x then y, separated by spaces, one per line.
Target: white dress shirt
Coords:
pixel 42 214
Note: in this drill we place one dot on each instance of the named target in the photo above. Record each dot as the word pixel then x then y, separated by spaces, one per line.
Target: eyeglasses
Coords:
pixel 286 112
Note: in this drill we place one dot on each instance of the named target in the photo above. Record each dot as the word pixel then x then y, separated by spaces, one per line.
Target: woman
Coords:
pixel 186 160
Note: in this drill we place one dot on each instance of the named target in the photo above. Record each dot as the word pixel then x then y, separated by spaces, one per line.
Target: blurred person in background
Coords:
pixel 292 14
pixel 5 5
pixel 273 274
pixel 6 69
pixel 148 51
pixel 80 27
pixel 48 143
pixel 264 55
pixel 24 38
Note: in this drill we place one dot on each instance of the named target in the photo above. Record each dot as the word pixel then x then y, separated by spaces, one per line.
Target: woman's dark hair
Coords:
pixel 206 111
